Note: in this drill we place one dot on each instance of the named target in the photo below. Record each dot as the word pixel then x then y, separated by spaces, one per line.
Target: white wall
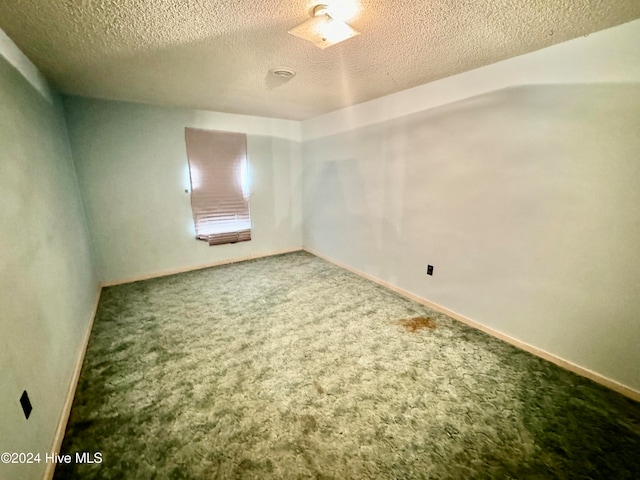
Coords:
pixel 47 281
pixel 133 172
pixel 525 200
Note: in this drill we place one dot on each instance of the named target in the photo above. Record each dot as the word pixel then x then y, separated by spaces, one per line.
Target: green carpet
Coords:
pixel 290 367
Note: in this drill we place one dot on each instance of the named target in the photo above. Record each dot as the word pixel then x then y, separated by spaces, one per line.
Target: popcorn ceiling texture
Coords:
pixel 290 367
pixel 216 54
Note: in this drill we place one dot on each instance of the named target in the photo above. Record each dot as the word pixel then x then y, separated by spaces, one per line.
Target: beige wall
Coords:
pixel 47 282
pixel 133 171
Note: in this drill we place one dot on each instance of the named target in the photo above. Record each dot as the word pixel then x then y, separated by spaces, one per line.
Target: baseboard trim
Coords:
pixel 199 267
pixel 71 392
pixel 561 362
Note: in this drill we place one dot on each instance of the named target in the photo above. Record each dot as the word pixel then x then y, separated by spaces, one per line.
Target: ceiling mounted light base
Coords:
pixel 323 30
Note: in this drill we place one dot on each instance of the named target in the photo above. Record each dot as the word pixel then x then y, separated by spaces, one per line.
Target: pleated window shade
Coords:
pixel 219 185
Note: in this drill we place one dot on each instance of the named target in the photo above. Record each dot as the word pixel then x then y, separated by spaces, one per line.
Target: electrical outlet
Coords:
pixel 429 269
pixel 26 404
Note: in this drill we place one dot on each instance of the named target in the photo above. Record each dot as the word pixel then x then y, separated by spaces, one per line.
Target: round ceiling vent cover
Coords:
pixel 283 72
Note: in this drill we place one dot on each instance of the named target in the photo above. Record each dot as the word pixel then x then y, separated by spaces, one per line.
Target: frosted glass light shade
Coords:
pixel 324 31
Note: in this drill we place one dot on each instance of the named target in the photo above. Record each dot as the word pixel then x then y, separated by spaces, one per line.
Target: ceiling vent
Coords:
pixel 283 72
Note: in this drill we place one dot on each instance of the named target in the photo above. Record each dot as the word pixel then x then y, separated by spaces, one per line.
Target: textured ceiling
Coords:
pixel 216 55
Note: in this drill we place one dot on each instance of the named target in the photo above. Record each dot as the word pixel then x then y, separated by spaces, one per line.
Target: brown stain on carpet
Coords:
pixel 309 424
pixel 417 323
pixel 318 387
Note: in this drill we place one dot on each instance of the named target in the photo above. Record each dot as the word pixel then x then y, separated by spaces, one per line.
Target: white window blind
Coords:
pixel 219 185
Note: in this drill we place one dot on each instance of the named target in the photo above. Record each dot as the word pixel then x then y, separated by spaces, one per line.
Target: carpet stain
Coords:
pixel 318 387
pixel 308 423
pixel 417 323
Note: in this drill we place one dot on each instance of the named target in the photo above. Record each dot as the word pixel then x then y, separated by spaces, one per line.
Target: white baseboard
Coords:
pixel 71 391
pixel 198 267
pixel 561 362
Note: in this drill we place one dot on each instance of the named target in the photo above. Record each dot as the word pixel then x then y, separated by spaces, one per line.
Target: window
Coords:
pixel 219 185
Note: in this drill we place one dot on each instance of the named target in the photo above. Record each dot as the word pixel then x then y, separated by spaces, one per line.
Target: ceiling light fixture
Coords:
pixel 322 29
